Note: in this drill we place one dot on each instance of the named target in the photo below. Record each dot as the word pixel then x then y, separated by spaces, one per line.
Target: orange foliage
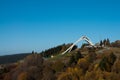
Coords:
pixel 22 76
pixel 8 77
pixel 71 74
pixel 58 66
pixel 83 64
pixel 116 66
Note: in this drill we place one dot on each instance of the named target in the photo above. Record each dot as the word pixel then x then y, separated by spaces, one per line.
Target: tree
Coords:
pixel 23 76
pixel 48 73
pixel 94 75
pixel 56 50
pixel 111 58
pixel 116 66
pixel 108 42
pixel 104 42
pixel 101 43
pixel 72 60
pixel 107 62
pixel 75 47
pixel 33 52
pixel 71 74
pixel 35 73
pixel 77 56
pixel 8 76
pixel 91 55
pixel 58 66
pixel 103 64
pixel 83 64
pixel 116 43
pixel 33 60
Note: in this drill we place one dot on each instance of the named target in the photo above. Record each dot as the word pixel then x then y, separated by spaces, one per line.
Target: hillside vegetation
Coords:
pixel 101 63
pixel 12 58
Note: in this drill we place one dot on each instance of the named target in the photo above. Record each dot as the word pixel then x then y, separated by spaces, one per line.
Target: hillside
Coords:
pixel 12 58
pixel 86 63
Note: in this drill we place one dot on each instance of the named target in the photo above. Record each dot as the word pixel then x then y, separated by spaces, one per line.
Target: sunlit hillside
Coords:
pixel 85 63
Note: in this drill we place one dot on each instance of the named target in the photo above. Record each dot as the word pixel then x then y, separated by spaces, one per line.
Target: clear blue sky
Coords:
pixel 27 25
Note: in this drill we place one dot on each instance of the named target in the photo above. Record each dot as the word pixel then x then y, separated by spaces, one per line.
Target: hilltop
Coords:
pixel 85 63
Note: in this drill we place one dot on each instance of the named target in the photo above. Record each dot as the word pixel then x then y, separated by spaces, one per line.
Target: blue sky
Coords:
pixel 27 25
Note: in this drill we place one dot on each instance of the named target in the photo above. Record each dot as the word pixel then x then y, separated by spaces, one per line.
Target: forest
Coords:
pixel 80 64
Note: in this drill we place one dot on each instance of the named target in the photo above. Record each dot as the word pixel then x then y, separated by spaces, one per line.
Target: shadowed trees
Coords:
pixel 105 42
pixel 75 57
pixel 56 50
pixel 107 62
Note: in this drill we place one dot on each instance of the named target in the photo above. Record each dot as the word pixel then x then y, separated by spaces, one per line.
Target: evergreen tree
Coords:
pixel 91 55
pixel 108 42
pixel 77 56
pixel 104 42
pixel 103 64
pixel 75 47
pixel 107 62
pixel 72 60
pixel 33 52
pixel 101 43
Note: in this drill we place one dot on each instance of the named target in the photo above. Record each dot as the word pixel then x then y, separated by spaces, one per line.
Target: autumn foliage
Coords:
pixel 73 66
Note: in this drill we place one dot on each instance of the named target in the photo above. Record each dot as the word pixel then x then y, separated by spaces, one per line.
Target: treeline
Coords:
pixel 101 44
pixel 30 69
pixel 56 50
pixel 105 66
pixel 105 42
pixel 74 66
pixel 116 43
pixel 94 67
pixel 34 67
pixel 7 59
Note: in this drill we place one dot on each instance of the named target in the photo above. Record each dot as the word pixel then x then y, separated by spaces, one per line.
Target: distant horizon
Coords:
pixel 10 53
pixel 38 25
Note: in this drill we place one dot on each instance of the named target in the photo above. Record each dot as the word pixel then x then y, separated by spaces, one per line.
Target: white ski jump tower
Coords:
pixel 85 38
